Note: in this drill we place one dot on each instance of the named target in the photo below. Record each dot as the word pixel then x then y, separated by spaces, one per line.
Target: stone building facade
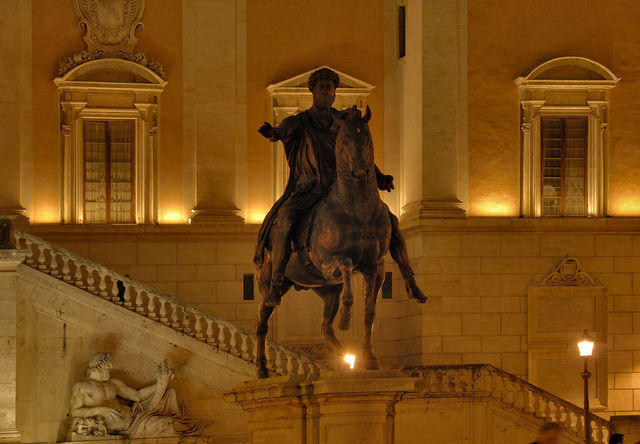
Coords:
pixel 461 92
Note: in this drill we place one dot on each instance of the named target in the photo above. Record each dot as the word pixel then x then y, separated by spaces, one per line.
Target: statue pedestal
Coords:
pixel 351 407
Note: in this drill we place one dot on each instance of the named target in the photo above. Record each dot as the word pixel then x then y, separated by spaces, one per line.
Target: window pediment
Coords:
pixel 110 71
pixel 567 72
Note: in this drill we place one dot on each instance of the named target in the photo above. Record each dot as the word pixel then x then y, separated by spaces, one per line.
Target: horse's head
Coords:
pixel 354 148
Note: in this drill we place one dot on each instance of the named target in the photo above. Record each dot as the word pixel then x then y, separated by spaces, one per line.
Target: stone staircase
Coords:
pixel 159 307
pixel 512 393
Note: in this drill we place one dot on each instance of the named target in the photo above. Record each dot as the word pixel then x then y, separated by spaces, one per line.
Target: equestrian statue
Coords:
pixel 330 221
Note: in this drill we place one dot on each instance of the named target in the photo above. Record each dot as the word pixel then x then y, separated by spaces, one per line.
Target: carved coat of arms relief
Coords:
pixel 110 27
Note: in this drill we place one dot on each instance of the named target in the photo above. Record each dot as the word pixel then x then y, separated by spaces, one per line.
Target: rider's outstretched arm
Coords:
pixel 281 132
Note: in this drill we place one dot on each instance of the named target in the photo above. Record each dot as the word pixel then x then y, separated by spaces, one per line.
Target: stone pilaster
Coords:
pixel 434 110
pixel 214 106
pixel 12 32
pixel 10 259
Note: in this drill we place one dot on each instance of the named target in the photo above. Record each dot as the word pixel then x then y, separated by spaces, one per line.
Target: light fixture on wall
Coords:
pixel 585 346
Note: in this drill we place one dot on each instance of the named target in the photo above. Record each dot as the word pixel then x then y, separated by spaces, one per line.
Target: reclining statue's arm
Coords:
pixel 78 410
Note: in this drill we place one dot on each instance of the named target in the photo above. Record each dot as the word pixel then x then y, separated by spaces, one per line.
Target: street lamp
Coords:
pixel 586 349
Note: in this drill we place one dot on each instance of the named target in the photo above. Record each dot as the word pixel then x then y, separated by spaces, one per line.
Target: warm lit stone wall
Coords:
pixel 506 40
pixel 476 273
pixel 56 34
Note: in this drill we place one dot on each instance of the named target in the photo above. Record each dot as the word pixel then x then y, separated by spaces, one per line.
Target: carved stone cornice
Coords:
pixel 110 27
pixel 569 272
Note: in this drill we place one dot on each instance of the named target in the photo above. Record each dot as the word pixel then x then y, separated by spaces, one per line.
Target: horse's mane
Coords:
pixel 351 115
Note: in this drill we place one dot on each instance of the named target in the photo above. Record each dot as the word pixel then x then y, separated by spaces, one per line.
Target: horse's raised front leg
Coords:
pixel 372 283
pixel 398 250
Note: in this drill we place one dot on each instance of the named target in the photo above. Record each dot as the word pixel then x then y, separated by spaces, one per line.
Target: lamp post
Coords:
pixel 586 349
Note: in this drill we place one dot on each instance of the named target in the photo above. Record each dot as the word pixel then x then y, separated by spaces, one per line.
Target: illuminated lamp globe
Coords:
pixel 586 345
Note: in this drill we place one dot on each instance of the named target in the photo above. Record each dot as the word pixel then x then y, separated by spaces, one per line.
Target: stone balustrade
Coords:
pixel 159 307
pixel 517 394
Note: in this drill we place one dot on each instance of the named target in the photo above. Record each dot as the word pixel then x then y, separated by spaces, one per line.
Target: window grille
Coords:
pixel 108 172
pixel 564 163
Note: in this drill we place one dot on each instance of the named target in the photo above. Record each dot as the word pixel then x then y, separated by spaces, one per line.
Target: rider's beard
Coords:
pixel 324 102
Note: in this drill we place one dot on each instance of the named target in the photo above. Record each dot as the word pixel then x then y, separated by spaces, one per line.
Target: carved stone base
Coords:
pixel 9 435
pixel 344 405
pixel 426 209
pixel 215 216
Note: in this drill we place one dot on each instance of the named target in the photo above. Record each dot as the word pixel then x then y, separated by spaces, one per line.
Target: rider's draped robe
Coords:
pixel 309 145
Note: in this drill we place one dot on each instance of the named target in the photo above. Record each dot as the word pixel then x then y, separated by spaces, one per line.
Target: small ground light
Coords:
pixel 351 360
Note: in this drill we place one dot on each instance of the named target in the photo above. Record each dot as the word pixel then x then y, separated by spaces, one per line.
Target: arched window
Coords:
pixel 109 114
pixel 564 109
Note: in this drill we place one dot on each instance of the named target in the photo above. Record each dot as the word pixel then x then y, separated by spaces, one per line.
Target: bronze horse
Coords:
pixel 349 230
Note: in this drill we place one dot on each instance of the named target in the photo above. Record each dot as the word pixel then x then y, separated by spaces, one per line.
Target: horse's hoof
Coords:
pixel 417 294
pixel 371 364
pixel 263 372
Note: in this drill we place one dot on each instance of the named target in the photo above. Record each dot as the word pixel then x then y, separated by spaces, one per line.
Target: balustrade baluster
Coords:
pixel 198 327
pixel 139 301
pixel 91 284
pixel 244 347
pixel 42 260
pixel 211 339
pixel 66 270
pixel 222 338
pixel 54 268
pixel 175 319
pixel 29 259
pixel 151 307
pixel 579 424
pixel 271 357
pixel 79 282
pixel 102 284
pixel 536 406
pixel 279 361
pixel 128 303
pixel 599 434
pixel 233 343
pixel 557 414
pixel 186 323
pixel 290 369
pixel 163 312
pixel 115 291
pixel 547 410
pixel 301 369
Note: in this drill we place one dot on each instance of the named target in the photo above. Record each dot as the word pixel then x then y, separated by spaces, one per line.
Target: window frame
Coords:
pixel 546 95
pixel 562 174
pixel 108 202
pixel 107 99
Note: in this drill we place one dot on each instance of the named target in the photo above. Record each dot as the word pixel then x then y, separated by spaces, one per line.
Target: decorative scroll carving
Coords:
pixel 110 27
pixel 568 272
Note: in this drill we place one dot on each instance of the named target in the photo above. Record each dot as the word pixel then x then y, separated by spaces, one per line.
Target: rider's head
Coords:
pixel 323 84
